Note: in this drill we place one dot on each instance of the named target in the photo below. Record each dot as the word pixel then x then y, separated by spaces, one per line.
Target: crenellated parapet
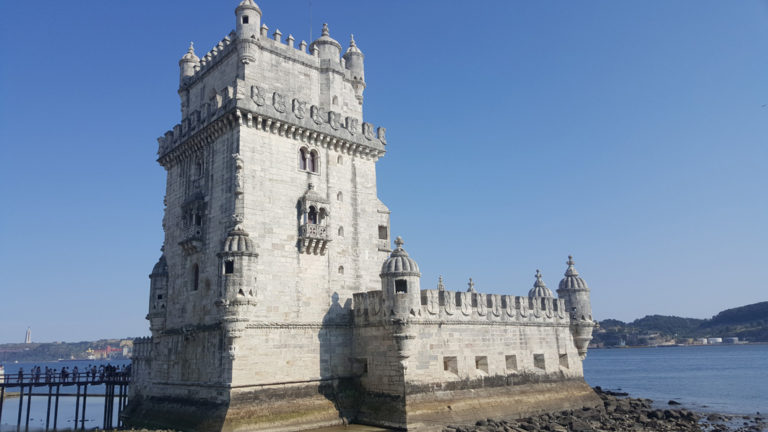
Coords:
pixel 142 348
pixel 276 113
pixel 465 307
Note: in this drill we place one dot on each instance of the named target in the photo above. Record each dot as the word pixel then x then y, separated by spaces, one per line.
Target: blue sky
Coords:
pixel 631 134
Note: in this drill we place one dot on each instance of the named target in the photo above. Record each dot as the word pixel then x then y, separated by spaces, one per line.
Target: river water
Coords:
pixel 723 378
pixel 718 378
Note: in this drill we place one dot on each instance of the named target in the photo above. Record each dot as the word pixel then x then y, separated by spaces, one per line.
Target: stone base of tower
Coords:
pixel 433 410
pixel 285 407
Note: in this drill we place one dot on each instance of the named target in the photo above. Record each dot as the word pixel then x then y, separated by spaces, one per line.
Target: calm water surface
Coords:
pixel 720 378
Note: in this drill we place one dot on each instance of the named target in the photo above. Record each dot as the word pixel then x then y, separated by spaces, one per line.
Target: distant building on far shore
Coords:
pixel 28 338
pixel 731 340
pixel 714 340
pixel 701 341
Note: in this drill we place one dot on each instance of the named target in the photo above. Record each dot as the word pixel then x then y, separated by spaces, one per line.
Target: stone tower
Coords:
pixel 271 222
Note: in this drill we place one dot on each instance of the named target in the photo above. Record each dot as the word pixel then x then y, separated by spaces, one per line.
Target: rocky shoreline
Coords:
pixel 622 413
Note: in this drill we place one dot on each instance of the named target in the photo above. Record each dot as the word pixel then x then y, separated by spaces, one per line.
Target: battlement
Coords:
pixel 465 307
pixel 271 111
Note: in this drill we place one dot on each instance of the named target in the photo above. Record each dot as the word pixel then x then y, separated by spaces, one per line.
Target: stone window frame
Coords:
pixel 510 362
pixel 481 365
pixel 308 160
pixel 451 365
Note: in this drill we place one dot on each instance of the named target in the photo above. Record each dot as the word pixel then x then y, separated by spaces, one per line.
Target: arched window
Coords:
pixel 322 216
pixel 313 161
pixel 312 215
pixel 195 277
pixel 341 231
pixel 303 159
pixel 339 160
pixel 339 196
pixel 341 269
pixel 335 100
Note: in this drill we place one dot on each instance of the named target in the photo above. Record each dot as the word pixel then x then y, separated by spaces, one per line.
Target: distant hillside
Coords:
pixel 105 348
pixel 748 323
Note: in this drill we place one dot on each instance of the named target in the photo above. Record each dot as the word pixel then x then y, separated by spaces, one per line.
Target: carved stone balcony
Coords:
pixel 313 239
pixel 192 239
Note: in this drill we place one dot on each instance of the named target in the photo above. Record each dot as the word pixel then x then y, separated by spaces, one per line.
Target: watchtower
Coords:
pixel 271 222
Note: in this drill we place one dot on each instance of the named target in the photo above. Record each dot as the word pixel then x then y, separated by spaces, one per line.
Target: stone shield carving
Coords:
pixel 466 303
pixel 318 114
pixel 257 94
pixel 482 304
pixel 299 108
pixel 433 302
pixel 333 119
pixel 449 302
pixel 278 101
pixel 368 131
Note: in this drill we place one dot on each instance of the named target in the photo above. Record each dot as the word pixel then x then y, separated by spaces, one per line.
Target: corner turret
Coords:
pixel 353 61
pixel 327 47
pixel 574 290
pixel 400 283
pixel 158 291
pixel 248 19
pixel 188 63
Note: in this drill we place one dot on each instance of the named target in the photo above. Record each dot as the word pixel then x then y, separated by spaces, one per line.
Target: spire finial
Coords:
pixel 352 40
pixel 399 242
pixel 440 285
pixel 570 260
pixel 325 30
pixel 191 49
pixel 539 282
pixel 471 285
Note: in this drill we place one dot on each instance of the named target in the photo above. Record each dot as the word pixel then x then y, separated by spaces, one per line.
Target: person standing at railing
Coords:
pixel 75 374
pixel 2 374
pixel 21 375
pixel 37 374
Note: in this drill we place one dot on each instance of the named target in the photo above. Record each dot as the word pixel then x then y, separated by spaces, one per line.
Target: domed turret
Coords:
pixel 400 282
pixel 539 288
pixel 327 47
pixel 576 293
pixel 248 19
pixel 353 59
pixel 238 241
pixel 188 63
pixel 160 268
pixel 400 263
pixel 573 289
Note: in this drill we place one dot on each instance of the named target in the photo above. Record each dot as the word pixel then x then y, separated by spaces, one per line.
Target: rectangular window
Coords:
pixel 450 365
pixel 481 363
pixel 383 232
pixel 245 19
pixel 159 296
pixel 564 360
pixel 229 267
pixel 401 286
pixel 538 361
pixel 511 363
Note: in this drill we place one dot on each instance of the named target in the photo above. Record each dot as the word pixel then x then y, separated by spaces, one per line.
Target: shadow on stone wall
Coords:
pixel 340 384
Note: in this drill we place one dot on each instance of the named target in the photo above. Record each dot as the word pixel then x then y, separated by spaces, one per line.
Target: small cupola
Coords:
pixel 248 19
pixel 160 268
pixel 238 242
pixel 572 281
pixel 188 63
pixel 327 47
pixel 539 288
pixel 399 262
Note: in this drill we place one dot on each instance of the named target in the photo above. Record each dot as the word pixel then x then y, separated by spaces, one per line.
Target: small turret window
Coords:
pixel 195 277
pixel 245 19
pixel 401 286
pixel 229 267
